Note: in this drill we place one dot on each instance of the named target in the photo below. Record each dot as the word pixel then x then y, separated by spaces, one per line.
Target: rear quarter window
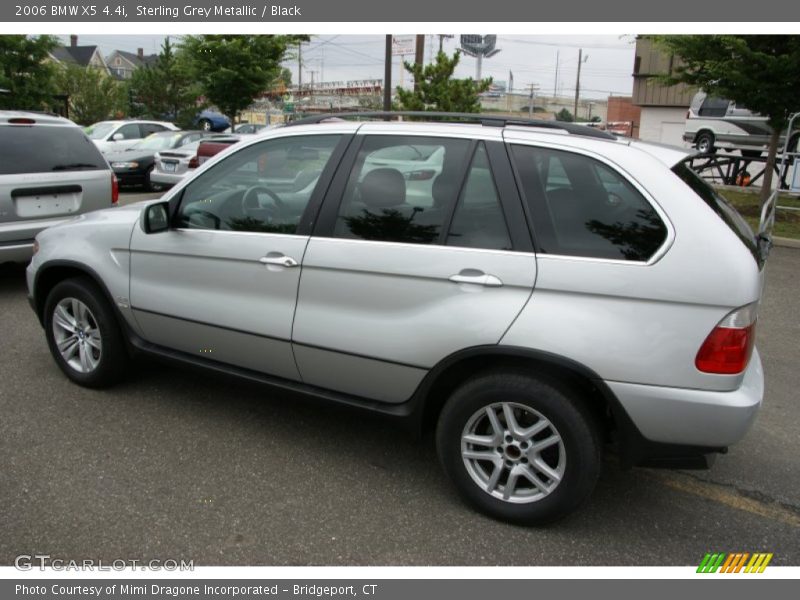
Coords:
pixel 44 149
pixel 582 207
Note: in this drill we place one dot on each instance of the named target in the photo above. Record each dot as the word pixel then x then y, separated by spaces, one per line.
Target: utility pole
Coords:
pixel 581 60
pixel 555 85
pixel 299 66
pixel 387 76
pixel 419 56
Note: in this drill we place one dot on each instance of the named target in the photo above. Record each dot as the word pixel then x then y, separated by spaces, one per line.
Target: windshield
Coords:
pixel 157 142
pixel 99 130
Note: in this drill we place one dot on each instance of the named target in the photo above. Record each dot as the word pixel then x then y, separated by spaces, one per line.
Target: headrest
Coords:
pixel 383 188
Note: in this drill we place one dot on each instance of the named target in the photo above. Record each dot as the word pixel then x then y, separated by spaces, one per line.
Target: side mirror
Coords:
pixel 117 137
pixel 156 218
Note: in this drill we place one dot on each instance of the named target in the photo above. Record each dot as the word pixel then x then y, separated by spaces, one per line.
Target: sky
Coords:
pixel 606 70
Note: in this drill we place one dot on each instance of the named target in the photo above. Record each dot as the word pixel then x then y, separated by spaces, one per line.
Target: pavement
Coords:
pixel 173 464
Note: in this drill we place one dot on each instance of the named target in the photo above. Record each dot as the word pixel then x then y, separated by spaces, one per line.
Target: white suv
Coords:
pixel 115 136
pixel 550 288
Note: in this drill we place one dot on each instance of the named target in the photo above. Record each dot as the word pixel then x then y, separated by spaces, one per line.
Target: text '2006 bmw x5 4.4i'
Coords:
pixel 529 290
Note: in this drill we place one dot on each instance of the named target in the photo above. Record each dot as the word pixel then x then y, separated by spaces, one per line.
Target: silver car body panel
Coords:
pixel 79 243
pixel 182 293
pixel 396 303
pixel 694 417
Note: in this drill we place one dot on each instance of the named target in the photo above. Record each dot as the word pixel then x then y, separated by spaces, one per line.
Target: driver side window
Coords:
pixel 263 188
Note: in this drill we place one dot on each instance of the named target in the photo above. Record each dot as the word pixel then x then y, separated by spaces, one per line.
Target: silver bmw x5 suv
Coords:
pixel 528 290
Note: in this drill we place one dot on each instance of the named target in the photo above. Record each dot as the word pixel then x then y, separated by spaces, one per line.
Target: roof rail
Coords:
pixel 488 120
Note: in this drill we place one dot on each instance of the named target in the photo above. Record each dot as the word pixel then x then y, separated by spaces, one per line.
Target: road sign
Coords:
pixel 403 45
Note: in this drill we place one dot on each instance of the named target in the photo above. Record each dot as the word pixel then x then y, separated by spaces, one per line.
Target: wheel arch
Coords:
pixel 446 376
pixel 52 273
pixel 702 131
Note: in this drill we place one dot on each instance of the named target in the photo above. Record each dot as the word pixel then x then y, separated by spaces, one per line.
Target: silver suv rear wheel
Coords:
pixel 518 447
pixel 513 452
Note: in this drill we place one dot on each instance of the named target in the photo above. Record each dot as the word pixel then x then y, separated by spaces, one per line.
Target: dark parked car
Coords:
pixel 134 165
pixel 211 120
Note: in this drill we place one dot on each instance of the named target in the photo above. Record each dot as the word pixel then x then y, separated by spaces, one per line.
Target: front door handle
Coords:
pixel 476 277
pixel 279 259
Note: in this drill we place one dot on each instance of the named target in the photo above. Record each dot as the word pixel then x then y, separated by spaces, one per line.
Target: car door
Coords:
pixel 222 282
pixel 395 280
pixel 130 133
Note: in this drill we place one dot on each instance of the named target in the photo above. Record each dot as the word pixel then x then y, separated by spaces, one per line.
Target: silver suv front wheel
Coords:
pixel 518 447
pixel 83 333
pixel 77 335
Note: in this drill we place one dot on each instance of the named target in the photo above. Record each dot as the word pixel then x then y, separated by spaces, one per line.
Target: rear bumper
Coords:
pixel 693 418
pixel 16 252
pixel 166 178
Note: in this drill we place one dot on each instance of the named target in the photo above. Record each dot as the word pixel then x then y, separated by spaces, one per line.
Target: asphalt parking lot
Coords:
pixel 172 464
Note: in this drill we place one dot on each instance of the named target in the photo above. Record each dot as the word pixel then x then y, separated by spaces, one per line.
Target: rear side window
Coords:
pixel 478 221
pixel 582 207
pixel 714 107
pixel 721 206
pixel 34 149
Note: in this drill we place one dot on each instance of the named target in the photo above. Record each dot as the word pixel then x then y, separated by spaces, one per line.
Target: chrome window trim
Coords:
pixel 438 246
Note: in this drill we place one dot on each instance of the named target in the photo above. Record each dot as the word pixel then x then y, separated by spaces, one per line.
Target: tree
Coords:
pixel 165 89
pixel 565 116
pixel 233 69
pixel 93 95
pixel 437 90
pixel 26 72
pixel 756 71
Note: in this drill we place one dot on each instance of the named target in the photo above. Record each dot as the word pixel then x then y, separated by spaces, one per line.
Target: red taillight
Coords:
pixel 728 347
pixel 193 162
pixel 421 175
pixel 114 189
pixel 22 121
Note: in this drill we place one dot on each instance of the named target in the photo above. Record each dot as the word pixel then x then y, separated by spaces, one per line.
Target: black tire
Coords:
pixel 113 361
pixel 205 124
pixel 704 142
pixel 559 405
pixel 148 185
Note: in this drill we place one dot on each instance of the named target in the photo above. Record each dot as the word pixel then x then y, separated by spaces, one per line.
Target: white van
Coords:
pixel 719 123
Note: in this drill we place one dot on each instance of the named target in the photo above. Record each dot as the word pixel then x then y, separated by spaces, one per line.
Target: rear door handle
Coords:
pixel 476 277
pixel 279 259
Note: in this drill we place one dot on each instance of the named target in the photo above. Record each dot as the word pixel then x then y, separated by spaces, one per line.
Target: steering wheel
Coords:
pixel 250 199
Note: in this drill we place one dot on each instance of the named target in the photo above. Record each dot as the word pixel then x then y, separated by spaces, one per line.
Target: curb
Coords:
pixel 785 242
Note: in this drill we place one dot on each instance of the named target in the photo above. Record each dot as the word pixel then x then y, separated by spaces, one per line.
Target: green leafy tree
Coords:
pixel 437 90
pixel 565 116
pixel 233 69
pixel 165 89
pixel 26 72
pixel 93 95
pixel 756 71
